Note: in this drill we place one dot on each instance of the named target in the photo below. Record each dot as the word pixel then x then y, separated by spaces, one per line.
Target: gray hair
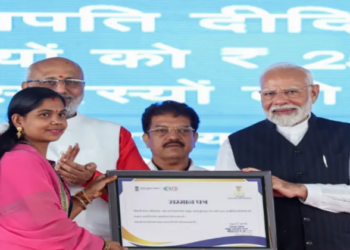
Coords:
pixel 29 73
pixel 289 66
pixel 36 66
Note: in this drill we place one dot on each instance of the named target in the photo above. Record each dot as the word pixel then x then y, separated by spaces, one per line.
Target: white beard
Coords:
pixel 289 120
pixel 73 105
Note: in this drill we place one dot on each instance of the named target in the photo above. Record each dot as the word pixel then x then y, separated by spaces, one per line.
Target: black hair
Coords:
pixel 22 103
pixel 169 107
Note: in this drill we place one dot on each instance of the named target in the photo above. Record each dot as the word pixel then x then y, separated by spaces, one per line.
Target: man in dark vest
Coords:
pixel 308 157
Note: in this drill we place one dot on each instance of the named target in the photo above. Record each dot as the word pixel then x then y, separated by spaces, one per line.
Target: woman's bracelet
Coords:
pixel 84 194
pixel 106 245
pixel 82 197
pixel 81 201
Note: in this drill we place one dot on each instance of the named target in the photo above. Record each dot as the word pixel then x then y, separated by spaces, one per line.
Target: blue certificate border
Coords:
pixel 263 179
pixel 120 184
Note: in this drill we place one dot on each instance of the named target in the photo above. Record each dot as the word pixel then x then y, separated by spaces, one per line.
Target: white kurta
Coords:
pixel 192 167
pixel 99 143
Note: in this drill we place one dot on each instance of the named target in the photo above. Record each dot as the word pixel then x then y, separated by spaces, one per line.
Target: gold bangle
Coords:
pixel 81 201
pixel 83 197
pixel 86 196
pixel 106 246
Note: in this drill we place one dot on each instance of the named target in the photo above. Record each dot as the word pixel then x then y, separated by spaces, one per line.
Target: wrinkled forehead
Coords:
pixel 56 69
pixel 286 79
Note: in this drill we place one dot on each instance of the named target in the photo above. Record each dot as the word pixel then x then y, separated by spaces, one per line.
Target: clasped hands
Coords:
pixel 75 173
pixel 72 172
pixel 282 188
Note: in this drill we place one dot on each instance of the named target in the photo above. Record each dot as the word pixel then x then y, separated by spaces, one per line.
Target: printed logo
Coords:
pixel 239 192
pixel 168 188
pixel 136 188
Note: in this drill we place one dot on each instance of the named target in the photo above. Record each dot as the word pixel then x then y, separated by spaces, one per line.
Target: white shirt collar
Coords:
pixel 193 167
pixel 299 128
pixel 296 133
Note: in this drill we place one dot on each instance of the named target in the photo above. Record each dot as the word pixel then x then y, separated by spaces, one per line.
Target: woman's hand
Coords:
pixel 73 172
pixel 114 245
pixel 98 186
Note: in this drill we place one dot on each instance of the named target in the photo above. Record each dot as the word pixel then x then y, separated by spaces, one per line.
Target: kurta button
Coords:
pixel 297 152
pixel 299 173
pixel 309 243
pixel 306 219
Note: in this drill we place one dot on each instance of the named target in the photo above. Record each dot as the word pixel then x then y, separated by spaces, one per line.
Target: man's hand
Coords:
pixel 282 188
pixel 72 172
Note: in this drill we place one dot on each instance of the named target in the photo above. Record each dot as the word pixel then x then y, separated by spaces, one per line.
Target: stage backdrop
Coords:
pixel 208 54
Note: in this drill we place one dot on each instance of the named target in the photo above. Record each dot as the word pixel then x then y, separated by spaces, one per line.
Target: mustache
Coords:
pixel 274 108
pixel 67 96
pixel 174 142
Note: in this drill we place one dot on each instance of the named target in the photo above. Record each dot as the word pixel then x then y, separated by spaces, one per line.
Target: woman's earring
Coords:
pixel 19 134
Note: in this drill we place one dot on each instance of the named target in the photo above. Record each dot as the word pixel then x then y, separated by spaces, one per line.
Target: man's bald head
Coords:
pixel 58 68
pixel 40 67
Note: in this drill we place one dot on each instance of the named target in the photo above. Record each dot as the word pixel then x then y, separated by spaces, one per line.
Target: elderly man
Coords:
pixel 106 144
pixel 170 131
pixel 308 157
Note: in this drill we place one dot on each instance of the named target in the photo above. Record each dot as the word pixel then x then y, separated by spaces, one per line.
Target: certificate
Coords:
pixel 169 209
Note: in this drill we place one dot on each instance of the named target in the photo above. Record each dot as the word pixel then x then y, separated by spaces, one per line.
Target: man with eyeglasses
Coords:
pixel 170 131
pixel 308 157
pixel 105 144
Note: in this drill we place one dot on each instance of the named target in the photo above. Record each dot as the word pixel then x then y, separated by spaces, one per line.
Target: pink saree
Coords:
pixel 32 213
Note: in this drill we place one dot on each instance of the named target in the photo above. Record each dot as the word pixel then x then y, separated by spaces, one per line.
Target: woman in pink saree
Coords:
pixel 36 209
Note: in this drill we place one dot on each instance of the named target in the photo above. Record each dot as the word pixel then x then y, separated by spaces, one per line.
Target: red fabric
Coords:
pixel 129 157
pixel 97 173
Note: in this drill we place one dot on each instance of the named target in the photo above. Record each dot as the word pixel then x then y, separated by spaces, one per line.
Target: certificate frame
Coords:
pixel 268 202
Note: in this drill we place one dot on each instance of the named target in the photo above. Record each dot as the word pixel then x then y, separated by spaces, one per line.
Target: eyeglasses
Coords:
pixel 289 93
pixel 52 83
pixel 161 131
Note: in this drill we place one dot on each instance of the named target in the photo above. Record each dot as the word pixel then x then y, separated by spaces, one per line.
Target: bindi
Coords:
pixel 60 76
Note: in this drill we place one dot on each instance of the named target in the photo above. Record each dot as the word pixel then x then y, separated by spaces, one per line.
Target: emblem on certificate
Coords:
pixel 195 209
